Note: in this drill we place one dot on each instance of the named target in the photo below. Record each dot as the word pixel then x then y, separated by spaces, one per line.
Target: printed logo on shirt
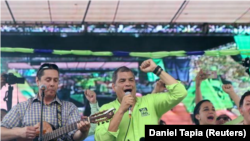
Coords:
pixel 144 111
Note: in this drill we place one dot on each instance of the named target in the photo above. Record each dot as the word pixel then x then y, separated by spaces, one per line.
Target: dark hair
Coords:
pixel 161 122
pixel 87 110
pixel 120 69
pixel 243 97
pixel 46 66
pixel 196 111
pixel 3 110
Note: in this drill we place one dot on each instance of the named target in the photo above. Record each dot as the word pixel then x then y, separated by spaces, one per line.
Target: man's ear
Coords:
pixel 37 81
pixel 113 87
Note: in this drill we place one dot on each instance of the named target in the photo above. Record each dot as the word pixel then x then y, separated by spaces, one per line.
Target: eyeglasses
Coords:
pixel 224 118
pixel 48 66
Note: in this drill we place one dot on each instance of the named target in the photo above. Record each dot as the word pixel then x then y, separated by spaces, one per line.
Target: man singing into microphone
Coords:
pixel 22 121
pixel 145 110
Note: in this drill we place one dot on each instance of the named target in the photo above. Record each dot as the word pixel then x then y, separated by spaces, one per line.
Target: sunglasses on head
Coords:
pixel 47 66
pixel 224 118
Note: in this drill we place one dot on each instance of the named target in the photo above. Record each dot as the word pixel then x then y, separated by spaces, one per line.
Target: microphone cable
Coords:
pixel 127 129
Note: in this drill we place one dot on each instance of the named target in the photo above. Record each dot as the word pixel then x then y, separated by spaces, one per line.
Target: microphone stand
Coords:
pixel 41 122
pixel 8 97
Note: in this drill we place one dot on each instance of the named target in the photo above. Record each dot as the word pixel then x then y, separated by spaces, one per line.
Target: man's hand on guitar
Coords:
pixel 83 126
pixel 28 132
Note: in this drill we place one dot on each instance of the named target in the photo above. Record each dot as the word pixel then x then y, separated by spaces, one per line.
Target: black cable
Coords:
pixel 6 96
pixel 86 12
pixel 117 6
pixel 50 15
pixel 127 129
pixel 12 16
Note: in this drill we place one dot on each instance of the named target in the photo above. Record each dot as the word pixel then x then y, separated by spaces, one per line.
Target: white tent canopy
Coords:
pixel 136 11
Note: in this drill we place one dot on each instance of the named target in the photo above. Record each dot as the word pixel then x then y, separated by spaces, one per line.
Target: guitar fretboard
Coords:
pixel 58 132
pixel 98 117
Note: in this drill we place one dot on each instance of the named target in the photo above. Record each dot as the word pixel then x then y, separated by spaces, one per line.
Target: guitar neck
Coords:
pixel 58 132
pixel 98 117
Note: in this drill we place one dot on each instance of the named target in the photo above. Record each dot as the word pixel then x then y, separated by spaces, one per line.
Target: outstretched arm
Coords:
pixel 199 78
pixel 228 88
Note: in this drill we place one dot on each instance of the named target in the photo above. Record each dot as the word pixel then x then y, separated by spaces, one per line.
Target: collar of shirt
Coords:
pixel 36 98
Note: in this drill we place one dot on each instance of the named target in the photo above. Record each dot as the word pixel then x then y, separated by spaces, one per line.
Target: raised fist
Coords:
pixel 228 88
pixel 201 76
pixel 91 96
pixel 148 66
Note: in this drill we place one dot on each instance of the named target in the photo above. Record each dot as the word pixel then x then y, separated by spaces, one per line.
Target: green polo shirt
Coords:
pixel 236 121
pixel 147 111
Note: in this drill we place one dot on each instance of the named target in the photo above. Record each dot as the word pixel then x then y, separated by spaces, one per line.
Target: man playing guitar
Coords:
pixel 22 121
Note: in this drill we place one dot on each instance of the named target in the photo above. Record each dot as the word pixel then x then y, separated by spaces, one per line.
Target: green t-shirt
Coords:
pixel 147 111
pixel 94 109
pixel 236 121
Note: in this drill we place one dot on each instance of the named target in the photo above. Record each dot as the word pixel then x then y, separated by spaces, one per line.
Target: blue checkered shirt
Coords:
pixel 28 114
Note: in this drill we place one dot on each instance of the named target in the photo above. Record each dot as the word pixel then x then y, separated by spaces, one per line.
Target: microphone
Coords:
pixel 129 109
pixel 42 87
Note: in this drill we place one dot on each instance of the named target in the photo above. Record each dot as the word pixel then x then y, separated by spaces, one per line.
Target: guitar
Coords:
pixel 50 133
